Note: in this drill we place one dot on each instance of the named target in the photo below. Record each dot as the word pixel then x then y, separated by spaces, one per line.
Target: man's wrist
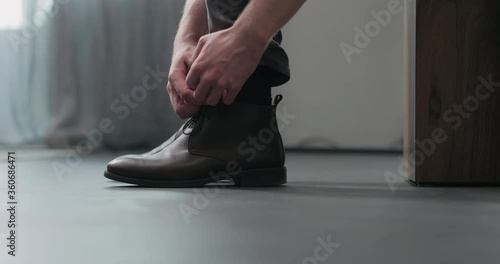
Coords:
pixel 256 37
pixel 184 44
pixel 187 38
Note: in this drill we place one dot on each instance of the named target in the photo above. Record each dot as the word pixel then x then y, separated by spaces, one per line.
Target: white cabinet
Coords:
pixel 341 104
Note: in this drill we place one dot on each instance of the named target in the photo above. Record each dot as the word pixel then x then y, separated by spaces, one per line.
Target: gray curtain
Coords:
pixel 103 48
pixel 95 59
pixel 25 56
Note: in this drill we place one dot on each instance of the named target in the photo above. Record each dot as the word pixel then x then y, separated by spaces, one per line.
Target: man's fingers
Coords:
pixel 203 90
pixel 169 89
pixel 199 48
pixel 182 109
pixel 229 96
pixel 201 94
pixel 177 80
pixel 186 110
pixel 194 75
pixel 175 99
pixel 187 95
pixel 214 96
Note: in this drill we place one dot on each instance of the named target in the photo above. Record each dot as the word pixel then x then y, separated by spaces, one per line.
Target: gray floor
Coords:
pixel 339 200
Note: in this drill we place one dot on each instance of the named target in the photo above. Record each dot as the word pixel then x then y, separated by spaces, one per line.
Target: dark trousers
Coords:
pixel 257 89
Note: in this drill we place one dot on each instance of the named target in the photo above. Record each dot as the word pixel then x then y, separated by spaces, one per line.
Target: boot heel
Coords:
pixel 261 177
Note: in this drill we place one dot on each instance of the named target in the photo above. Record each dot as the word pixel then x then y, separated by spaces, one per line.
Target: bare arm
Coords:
pixel 193 23
pixel 262 19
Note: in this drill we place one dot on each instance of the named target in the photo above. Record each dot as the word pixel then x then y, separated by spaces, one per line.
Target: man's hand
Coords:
pixel 181 96
pixel 222 62
pixel 193 25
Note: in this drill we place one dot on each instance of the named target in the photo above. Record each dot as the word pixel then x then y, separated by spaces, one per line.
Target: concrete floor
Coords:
pixel 342 201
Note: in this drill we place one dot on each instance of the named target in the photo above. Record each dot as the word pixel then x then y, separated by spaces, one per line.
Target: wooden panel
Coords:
pixel 457 45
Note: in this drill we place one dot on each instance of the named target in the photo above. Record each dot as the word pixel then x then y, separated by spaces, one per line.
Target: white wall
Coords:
pixel 340 104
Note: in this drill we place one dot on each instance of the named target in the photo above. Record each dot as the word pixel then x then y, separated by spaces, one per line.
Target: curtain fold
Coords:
pixel 25 58
pixel 104 50
pixel 82 76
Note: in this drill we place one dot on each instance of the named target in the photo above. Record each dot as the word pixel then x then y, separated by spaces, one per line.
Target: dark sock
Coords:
pixel 257 89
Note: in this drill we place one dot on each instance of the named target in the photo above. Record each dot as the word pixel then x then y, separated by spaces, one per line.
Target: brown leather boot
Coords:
pixel 239 142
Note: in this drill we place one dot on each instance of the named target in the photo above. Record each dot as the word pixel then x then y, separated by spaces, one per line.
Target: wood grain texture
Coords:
pixel 457 44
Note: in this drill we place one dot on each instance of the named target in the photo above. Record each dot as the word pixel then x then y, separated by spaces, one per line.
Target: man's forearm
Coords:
pixel 264 18
pixel 193 23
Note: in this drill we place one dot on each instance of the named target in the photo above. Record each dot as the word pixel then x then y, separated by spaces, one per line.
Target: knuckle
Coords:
pixel 184 95
pixel 223 84
pixel 208 79
pixel 198 67
pixel 236 86
pixel 170 78
pixel 230 85
pixel 233 85
pixel 211 78
pixel 212 102
pixel 190 82
pixel 232 88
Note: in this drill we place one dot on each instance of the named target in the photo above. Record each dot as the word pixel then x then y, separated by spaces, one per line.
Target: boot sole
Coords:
pixel 247 178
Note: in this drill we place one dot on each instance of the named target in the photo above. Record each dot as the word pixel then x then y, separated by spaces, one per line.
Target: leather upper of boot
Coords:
pixel 219 138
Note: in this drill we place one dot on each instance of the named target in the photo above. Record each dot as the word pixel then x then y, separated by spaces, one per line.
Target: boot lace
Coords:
pixel 195 121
